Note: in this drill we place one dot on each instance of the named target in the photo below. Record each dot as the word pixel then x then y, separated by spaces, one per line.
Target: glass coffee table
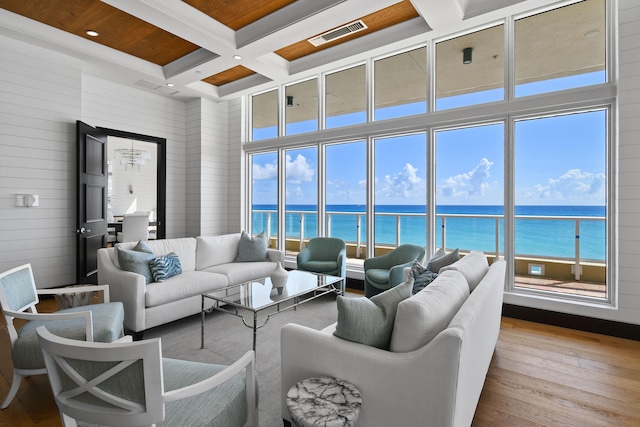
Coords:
pixel 258 295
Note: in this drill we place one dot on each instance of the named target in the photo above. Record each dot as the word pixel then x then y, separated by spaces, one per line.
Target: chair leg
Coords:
pixel 15 385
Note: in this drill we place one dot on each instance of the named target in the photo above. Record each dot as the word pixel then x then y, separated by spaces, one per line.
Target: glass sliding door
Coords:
pixel 301 197
pixel 560 203
pixel 264 195
pixel 346 197
pixel 470 189
pixel 400 191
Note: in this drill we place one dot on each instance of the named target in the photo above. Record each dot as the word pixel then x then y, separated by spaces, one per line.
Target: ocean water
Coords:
pixel 533 236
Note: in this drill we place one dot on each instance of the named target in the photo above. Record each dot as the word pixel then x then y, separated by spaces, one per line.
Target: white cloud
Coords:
pixel 573 187
pixel 268 171
pixel 404 184
pixel 470 185
pixel 299 170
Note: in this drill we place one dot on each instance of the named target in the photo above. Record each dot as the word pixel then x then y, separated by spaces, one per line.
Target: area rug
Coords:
pixel 227 339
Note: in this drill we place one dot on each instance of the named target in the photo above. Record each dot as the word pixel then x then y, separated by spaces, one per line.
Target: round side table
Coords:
pixel 324 401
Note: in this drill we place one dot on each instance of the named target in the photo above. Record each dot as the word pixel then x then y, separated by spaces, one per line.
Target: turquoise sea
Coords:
pixel 534 236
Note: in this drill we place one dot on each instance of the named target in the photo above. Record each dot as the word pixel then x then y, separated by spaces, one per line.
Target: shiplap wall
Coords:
pixel 40 101
pixel 42 94
pixel 114 106
pixel 629 161
pixel 236 208
pixel 207 176
pixel 193 189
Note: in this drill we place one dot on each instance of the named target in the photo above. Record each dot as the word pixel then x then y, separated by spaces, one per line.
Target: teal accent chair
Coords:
pixel 385 271
pixel 324 255
pixel 18 299
pixel 131 384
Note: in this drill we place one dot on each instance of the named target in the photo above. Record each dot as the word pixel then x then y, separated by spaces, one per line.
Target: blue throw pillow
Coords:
pixel 435 264
pixel 252 249
pixel 370 321
pixel 165 266
pixel 137 260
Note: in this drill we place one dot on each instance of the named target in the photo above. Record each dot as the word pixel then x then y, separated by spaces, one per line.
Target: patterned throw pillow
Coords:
pixel 165 266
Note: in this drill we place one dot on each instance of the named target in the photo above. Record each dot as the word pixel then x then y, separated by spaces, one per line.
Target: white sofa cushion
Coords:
pixel 473 267
pixel 216 250
pixel 240 272
pixel 423 316
pixel 182 286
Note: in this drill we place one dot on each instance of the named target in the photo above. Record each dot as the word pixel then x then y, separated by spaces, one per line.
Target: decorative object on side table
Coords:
pixel 279 276
pixel 324 401
pixel 74 299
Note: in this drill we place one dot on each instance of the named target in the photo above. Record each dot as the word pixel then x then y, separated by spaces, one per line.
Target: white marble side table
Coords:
pixel 324 401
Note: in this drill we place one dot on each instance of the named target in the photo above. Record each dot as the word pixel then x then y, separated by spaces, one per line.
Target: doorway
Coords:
pixel 93 179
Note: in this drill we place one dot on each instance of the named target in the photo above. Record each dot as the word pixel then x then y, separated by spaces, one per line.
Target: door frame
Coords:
pixel 161 178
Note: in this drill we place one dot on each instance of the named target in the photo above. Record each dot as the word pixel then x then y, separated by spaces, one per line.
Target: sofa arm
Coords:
pixel 276 255
pixel 429 372
pixel 126 287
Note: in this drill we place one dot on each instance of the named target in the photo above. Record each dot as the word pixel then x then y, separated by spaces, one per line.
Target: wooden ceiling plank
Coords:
pixel 384 18
pixel 236 14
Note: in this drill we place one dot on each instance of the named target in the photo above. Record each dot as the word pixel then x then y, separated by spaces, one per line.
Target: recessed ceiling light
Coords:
pixel 238 57
pixel 591 33
pixel 92 33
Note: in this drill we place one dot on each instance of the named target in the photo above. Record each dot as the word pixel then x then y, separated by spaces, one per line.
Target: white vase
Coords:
pixel 279 276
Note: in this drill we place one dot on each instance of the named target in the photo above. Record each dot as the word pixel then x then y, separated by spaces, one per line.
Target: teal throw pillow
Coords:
pixel 435 264
pixel 370 321
pixel 137 260
pixel 165 266
pixel 252 249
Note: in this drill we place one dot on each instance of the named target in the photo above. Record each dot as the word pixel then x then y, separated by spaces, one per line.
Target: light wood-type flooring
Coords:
pixel 540 376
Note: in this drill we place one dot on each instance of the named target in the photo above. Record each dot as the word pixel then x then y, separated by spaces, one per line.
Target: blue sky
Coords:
pixel 559 160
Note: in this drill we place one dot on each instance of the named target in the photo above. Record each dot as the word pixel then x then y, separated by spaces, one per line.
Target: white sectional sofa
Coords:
pixel 207 264
pixel 441 346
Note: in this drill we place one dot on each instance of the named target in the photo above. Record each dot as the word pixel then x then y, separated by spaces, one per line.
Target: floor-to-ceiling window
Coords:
pixel 264 195
pixel 470 188
pixel 498 139
pixel 301 195
pixel 400 167
pixel 346 195
pixel 560 202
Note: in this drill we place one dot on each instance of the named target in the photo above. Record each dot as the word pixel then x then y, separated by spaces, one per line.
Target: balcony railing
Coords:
pixel 301 226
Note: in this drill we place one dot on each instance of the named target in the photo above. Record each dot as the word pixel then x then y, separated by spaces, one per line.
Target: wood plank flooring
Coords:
pixel 540 375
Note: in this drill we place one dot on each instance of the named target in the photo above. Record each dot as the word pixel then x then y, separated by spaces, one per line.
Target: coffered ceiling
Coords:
pixel 224 48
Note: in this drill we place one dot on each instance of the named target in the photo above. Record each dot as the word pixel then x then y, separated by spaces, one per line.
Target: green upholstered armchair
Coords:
pixel 324 255
pixel 385 271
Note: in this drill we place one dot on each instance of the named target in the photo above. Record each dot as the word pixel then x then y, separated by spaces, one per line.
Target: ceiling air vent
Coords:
pixel 336 33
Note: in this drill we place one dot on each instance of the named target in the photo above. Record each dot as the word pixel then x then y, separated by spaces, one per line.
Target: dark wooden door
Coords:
pixel 91 211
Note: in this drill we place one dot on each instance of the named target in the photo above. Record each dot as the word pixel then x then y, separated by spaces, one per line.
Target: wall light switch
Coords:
pixel 27 200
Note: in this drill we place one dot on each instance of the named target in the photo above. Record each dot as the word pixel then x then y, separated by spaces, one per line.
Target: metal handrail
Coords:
pixel 443 217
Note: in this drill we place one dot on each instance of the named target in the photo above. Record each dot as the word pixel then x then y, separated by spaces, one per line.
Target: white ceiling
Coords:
pixel 257 42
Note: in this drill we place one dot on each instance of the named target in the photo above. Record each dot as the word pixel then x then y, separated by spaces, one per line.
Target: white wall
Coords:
pixel 124 108
pixel 42 94
pixel 207 172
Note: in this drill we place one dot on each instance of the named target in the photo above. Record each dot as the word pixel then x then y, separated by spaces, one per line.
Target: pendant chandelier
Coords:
pixel 130 157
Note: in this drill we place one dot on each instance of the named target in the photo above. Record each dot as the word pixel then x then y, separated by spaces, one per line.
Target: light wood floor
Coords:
pixel 540 376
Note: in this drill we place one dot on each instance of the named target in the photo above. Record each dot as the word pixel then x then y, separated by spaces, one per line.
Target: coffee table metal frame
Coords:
pixel 255 296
